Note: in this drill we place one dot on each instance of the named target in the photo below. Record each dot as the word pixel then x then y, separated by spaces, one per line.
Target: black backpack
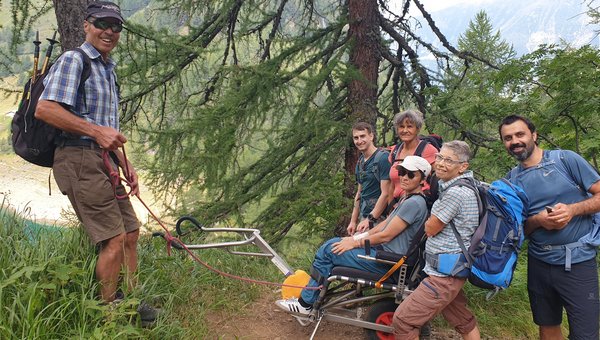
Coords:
pixel 33 139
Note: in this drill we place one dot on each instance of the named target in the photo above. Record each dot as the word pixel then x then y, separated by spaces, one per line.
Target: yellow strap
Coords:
pixel 390 272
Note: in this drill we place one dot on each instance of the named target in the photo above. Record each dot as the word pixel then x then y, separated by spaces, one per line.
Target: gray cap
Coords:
pixel 104 9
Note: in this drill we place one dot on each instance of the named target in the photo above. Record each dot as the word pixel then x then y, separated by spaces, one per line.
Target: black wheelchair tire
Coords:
pixel 381 312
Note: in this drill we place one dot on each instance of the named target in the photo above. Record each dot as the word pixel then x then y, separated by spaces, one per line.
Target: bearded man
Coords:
pixel 564 195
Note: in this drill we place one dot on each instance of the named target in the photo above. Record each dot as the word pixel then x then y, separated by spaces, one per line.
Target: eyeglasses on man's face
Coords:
pixel 441 159
pixel 104 25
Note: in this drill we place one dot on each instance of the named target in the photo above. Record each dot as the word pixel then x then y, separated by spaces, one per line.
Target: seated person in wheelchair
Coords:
pixel 392 235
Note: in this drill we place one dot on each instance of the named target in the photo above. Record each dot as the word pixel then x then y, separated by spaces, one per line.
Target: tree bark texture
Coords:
pixel 70 15
pixel 365 57
pixel 362 92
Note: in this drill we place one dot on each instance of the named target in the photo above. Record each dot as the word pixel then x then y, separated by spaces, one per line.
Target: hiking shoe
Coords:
pixel 425 332
pixel 119 296
pixel 148 314
pixel 292 305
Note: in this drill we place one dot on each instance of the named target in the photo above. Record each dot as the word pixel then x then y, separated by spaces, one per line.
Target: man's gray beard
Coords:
pixel 522 156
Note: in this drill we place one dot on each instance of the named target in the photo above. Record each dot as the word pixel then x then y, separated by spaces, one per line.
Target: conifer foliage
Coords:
pixel 246 106
pixel 240 110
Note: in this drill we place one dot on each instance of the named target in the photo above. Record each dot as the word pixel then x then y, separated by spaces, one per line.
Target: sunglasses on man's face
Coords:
pixel 104 25
pixel 403 172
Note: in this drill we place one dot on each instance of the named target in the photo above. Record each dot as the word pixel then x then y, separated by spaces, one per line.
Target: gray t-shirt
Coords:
pixel 414 212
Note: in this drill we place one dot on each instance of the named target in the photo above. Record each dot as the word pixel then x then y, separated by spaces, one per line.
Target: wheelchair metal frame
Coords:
pixel 346 301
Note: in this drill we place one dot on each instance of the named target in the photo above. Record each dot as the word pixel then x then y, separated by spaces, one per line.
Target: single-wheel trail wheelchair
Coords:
pixel 349 296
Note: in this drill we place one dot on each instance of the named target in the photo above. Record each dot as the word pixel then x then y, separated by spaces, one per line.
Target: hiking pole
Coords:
pixel 36 57
pixel 49 52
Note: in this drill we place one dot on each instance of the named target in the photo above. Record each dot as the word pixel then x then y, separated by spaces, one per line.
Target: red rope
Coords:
pixel 116 179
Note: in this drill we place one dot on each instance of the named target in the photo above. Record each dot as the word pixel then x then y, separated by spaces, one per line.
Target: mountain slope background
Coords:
pixel 525 24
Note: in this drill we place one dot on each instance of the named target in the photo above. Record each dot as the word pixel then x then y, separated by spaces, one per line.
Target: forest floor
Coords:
pixel 262 320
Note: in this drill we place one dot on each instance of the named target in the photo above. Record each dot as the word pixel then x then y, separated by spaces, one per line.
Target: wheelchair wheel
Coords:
pixel 382 313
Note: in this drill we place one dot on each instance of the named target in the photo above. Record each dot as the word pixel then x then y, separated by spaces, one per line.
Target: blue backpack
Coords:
pixel 492 256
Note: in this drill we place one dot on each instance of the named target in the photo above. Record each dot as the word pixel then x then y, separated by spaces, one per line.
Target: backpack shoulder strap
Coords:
pixel 87 64
pixel 396 150
pixel 421 147
pixel 469 183
pixel 85 73
pixel 463 248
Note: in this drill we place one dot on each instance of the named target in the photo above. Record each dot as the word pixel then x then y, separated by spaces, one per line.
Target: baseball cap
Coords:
pixel 414 163
pixel 104 9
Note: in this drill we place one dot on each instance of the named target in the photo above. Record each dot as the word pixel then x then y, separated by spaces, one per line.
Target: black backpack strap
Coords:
pixel 469 183
pixel 85 73
pixel 421 147
pixel 395 151
pixel 463 248
pixel 418 152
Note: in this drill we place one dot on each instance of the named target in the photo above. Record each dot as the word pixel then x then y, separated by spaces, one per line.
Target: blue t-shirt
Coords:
pixel 369 175
pixel 413 211
pixel 562 176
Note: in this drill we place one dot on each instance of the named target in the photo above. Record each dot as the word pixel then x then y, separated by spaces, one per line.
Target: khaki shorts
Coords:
pixel 434 295
pixel 81 175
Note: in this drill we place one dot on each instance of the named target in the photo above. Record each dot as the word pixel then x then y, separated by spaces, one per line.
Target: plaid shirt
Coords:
pixel 459 205
pixel 101 93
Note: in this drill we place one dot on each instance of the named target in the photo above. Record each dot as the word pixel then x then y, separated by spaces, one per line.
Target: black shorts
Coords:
pixel 551 289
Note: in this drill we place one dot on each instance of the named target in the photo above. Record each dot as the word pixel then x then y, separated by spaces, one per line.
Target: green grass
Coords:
pixel 48 291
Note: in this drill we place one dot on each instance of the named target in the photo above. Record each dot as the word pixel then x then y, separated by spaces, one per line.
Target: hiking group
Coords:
pixel 421 183
pixel 551 198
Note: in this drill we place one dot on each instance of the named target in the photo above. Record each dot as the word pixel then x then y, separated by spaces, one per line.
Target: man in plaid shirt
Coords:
pixel 90 122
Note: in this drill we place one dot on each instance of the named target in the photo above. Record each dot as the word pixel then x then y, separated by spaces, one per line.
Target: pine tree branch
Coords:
pixel 444 41
pixel 276 22
pixel 412 54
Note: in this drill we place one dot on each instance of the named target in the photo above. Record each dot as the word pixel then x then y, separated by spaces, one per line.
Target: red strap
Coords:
pixel 115 174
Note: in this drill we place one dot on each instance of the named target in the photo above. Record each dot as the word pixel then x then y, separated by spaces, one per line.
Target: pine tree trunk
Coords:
pixel 70 15
pixel 362 93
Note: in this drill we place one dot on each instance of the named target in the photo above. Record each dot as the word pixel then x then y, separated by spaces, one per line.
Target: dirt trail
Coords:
pixel 262 320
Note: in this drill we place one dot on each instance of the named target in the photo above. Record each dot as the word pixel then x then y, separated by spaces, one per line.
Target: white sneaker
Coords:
pixel 292 305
